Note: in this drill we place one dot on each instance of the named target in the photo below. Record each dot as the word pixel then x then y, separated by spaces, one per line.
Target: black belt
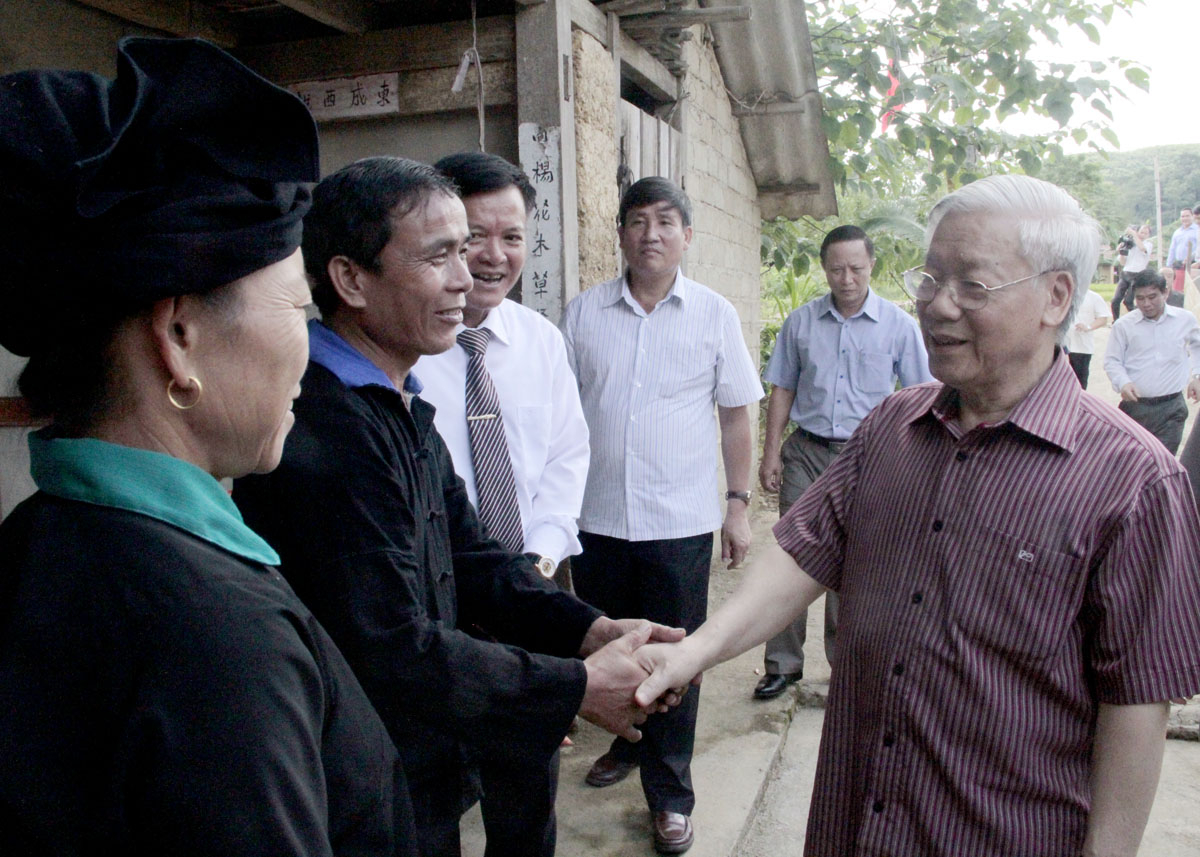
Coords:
pixel 832 444
pixel 1158 400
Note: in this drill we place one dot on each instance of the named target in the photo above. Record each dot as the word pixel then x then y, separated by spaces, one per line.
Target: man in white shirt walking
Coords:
pixel 1153 354
pixel 654 352
pixel 1081 340
pixel 544 445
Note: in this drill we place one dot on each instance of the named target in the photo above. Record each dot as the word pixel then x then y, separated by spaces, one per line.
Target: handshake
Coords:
pixel 627 679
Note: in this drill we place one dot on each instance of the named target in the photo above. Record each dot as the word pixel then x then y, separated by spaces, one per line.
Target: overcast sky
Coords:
pixel 1165 36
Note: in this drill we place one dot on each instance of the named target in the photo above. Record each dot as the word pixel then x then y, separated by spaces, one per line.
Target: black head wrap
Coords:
pixel 186 172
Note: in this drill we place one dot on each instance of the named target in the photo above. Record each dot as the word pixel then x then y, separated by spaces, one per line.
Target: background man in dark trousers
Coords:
pixel 835 359
pixel 655 353
pixel 1153 356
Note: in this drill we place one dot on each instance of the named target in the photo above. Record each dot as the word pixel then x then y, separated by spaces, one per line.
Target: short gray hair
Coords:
pixel 1054 231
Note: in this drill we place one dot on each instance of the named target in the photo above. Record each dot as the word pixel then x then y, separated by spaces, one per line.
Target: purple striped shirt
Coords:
pixel 996 586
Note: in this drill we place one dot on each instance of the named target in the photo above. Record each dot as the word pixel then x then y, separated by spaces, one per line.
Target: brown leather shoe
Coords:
pixel 672 832
pixel 608 769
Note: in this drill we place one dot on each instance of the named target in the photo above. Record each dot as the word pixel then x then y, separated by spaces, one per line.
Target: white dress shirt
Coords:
pixel 648 382
pixel 543 422
pixel 1158 356
pixel 1092 308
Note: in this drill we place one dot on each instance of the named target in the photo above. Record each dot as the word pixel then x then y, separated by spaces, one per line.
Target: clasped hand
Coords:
pixel 615 671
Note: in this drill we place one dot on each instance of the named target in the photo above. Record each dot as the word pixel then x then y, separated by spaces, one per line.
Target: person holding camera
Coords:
pixel 1134 250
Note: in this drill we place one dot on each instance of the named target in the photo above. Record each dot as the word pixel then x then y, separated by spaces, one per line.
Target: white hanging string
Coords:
pixel 471 55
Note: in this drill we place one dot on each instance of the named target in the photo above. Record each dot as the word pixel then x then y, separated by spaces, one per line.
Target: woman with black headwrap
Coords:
pixel 162 690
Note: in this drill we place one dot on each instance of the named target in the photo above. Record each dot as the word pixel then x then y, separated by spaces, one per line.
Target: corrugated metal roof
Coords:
pixel 767 64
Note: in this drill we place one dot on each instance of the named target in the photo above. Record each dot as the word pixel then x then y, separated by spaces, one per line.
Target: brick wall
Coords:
pixel 724 254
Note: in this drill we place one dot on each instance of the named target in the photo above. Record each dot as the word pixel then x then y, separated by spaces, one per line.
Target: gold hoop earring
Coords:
pixel 171 385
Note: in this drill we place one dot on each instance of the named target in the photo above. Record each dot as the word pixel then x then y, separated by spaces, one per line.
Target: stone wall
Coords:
pixel 596 160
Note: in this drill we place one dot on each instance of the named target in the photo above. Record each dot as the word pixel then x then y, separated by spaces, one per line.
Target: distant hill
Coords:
pixel 1128 181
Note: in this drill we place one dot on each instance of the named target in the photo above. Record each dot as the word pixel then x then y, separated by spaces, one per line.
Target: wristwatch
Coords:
pixel 744 496
pixel 544 564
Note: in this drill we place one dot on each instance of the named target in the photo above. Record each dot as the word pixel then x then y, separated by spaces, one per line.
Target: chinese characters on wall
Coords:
pixel 349 97
pixel 542 283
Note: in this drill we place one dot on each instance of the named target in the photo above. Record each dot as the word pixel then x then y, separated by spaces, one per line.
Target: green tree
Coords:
pixel 961 66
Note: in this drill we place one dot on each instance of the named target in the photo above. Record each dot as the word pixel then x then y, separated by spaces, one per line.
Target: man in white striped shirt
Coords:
pixel 653 353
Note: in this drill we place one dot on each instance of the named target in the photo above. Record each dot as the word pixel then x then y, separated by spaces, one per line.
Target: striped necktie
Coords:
pixel 494 483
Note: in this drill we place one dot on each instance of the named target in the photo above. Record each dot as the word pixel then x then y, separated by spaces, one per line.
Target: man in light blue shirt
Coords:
pixel 835 359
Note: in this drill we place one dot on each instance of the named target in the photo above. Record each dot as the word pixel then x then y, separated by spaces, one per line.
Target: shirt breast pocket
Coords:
pixel 1014 597
pixel 874 372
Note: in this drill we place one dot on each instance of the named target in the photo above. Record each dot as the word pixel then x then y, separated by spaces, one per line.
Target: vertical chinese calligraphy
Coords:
pixel 541 156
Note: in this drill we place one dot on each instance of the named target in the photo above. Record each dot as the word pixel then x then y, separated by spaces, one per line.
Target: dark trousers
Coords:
pixel 1081 364
pixel 518 806
pixel 803 460
pixel 1162 416
pixel 663 580
pixel 1122 295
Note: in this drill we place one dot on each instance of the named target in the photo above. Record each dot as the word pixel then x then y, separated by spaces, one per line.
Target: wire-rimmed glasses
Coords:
pixel 966 294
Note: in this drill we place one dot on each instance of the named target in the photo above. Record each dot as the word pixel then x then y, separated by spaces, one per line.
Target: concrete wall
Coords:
pixel 596 160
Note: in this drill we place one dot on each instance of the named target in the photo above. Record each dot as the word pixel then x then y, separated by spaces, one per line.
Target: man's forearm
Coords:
pixel 772 593
pixel 736 447
pixel 1126 761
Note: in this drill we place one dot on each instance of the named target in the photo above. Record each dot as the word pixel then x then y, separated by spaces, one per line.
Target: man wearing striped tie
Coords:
pixel 1017 565
pixel 508 409
pixel 655 353
pixel 381 542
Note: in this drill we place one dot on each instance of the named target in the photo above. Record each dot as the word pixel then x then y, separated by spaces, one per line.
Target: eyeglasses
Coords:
pixel 966 294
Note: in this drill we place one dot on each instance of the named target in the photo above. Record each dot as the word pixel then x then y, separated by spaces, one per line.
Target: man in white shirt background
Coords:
pixel 1153 354
pixel 654 352
pixel 545 441
pixel 1081 340
pixel 1138 247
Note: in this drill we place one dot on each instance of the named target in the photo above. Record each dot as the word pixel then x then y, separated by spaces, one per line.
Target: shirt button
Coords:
pixel 877 806
pixel 917 598
pixel 898 669
pixel 960 456
pixel 937 526
pixel 889 739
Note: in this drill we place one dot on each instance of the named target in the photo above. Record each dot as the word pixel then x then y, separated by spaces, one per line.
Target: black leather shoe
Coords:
pixel 771 685
pixel 608 769
pixel 672 832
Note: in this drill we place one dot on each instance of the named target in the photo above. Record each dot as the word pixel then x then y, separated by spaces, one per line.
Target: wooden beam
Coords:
pixel 638 63
pixel 766 109
pixel 404 49
pixel 428 91
pixel 348 16
pixel 177 19
pixel 629 7
pixel 685 18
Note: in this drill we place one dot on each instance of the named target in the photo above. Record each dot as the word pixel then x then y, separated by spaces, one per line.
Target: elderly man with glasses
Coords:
pixel 1016 564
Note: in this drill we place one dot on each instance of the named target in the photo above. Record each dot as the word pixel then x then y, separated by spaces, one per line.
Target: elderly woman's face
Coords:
pixel 253 370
